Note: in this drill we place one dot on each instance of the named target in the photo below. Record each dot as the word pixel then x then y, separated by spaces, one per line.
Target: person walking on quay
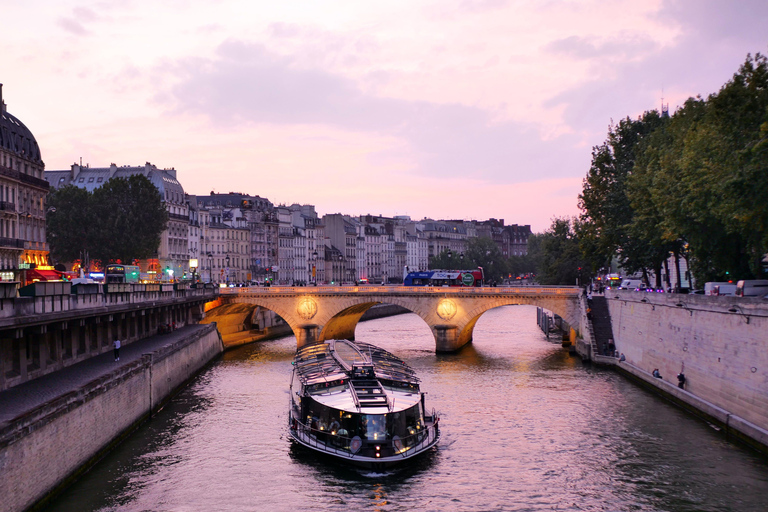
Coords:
pixel 116 344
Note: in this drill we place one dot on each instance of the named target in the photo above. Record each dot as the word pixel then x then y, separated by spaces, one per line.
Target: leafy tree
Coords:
pixel 121 220
pixel 608 213
pixel 70 223
pixel 559 255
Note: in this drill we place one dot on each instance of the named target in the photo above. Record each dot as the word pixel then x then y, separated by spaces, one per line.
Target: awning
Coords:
pixel 43 275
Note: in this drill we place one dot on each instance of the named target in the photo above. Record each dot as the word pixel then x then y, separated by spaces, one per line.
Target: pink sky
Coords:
pixel 463 109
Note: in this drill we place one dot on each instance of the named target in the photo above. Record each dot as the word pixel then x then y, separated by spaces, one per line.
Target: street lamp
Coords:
pixel 461 259
pixel 227 271
pixel 210 267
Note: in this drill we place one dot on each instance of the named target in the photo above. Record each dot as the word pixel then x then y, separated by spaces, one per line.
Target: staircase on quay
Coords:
pixel 601 323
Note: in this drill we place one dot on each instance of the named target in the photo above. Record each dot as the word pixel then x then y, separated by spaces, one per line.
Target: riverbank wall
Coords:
pixel 718 343
pixel 50 445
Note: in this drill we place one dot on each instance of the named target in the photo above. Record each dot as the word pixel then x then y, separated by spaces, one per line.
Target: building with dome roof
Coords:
pixel 172 259
pixel 22 198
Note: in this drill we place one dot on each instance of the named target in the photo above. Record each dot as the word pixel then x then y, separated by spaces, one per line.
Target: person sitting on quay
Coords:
pixel 656 373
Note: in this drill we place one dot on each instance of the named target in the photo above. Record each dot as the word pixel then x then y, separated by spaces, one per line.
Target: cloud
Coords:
pixel 718 20
pixel 247 84
pixel 630 77
pixel 73 26
pixel 590 48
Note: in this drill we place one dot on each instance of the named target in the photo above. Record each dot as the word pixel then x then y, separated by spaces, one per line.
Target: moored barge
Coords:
pixel 359 403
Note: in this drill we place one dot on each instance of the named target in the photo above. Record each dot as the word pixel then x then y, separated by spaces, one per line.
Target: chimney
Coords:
pixel 2 103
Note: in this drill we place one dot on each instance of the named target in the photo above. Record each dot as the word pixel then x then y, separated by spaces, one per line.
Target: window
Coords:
pixel 81 180
pixel 99 179
pixel 90 180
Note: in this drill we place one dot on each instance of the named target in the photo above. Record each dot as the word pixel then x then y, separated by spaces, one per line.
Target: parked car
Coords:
pixel 751 288
pixel 631 284
pixel 719 288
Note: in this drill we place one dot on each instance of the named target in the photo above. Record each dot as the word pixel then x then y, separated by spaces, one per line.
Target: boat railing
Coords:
pixel 332 442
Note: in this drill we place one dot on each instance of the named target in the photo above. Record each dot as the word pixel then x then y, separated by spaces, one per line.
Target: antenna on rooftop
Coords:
pixel 664 107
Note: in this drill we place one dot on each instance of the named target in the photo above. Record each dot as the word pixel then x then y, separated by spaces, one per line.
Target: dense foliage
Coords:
pixel 693 185
pixel 119 221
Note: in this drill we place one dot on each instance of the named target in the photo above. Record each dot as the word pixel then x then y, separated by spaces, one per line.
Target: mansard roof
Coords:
pixel 16 138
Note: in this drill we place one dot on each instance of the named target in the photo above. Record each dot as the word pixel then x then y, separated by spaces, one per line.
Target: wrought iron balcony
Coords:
pixel 11 243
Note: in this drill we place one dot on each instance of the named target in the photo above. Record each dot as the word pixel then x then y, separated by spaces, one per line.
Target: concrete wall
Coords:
pixel 43 450
pixel 719 343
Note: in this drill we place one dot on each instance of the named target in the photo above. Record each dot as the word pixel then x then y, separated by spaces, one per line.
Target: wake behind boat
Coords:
pixel 359 403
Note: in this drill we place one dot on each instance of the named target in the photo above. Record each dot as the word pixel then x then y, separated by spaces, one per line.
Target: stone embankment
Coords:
pixel 718 344
pixel 54 428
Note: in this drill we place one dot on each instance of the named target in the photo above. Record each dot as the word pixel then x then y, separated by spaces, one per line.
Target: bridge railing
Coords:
pixel 400 290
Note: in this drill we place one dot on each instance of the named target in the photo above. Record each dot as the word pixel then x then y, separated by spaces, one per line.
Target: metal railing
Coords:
pixel 340 445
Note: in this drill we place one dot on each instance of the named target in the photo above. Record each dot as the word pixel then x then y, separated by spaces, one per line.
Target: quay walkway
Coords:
pixel 30 395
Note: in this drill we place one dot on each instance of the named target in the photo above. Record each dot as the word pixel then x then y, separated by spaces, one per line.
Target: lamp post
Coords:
pixel 210 267
pixel 461 259
pixel 227 270
pixel 450 255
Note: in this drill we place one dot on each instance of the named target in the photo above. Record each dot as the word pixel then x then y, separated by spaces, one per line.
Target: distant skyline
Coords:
pixel 465 109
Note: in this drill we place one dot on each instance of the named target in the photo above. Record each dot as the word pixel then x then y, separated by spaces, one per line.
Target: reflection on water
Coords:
pixel 525 427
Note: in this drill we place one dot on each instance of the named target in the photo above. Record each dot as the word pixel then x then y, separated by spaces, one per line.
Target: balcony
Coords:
pixel 11 243
pixel 7 206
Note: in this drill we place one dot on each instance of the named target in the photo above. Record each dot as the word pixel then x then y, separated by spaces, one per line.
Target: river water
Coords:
pixel 525 426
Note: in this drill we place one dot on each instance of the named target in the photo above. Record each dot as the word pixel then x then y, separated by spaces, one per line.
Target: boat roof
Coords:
pixel 335 360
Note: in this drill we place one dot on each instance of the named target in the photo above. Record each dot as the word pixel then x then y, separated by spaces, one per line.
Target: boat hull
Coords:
pixel 312 440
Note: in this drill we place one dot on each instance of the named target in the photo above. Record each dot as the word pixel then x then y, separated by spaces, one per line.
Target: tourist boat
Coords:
pixel 359 403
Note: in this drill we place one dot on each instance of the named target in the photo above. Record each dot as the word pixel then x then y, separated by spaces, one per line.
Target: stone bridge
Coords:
pixel 332 312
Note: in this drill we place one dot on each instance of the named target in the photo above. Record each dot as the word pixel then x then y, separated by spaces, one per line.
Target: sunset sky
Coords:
pixel 464 109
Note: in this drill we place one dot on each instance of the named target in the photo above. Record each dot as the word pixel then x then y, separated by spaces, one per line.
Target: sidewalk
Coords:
pixel 30 395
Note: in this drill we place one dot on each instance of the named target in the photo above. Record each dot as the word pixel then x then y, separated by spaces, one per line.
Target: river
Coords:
pixel 525 426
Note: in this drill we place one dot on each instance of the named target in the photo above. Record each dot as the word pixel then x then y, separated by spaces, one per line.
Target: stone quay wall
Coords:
pixel 46 448
pixel 719 343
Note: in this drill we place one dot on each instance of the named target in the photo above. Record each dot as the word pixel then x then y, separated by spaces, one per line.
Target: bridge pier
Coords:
pixel 447 338
pixel 306 334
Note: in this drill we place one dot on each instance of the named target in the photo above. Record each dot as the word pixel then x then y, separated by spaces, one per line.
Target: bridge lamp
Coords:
pixel 193 267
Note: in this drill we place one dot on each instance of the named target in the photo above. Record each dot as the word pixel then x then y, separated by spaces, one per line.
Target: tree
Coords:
pixel 70 223
pixel 560 258
pixel 608 214
pixel 121 220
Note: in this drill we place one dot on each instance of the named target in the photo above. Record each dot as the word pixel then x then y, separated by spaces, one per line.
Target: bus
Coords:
pixel 444 278
pixel 122 274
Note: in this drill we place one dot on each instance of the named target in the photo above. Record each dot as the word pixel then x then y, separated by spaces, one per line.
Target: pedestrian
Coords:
pixel 681 380
pixel 656 373
pixel 116 344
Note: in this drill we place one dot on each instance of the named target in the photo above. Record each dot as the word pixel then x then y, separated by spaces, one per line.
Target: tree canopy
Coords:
pixel 121 220
pixel 694 184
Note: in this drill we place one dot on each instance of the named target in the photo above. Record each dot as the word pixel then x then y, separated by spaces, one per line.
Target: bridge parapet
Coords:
pixel 40 302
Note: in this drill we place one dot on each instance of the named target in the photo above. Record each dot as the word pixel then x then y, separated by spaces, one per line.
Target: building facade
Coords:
pixel 172 258
pixel 23 192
